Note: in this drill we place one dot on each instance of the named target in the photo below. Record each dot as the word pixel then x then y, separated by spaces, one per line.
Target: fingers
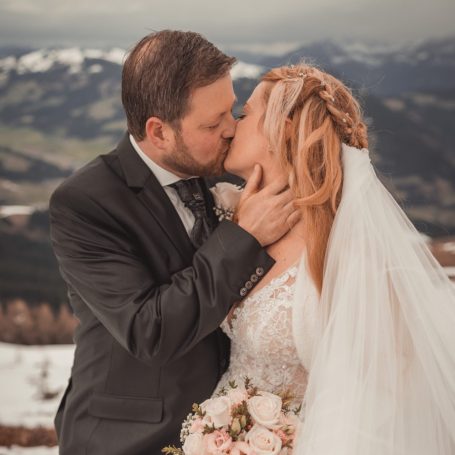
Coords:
pixel 276 187
pixel 285 197
pixel 289 208
pixel 294 218
pixel 252 186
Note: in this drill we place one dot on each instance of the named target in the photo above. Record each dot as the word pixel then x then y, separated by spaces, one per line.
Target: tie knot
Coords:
pixel 192 195
pixel 190 192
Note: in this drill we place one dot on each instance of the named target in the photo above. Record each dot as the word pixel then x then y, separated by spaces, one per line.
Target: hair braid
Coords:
pixel 351 132
pixel 309 113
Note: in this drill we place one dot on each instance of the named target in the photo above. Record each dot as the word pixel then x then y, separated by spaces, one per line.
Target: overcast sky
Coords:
pixel 228 23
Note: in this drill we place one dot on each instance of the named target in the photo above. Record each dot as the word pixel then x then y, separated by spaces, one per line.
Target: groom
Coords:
pixel 150 272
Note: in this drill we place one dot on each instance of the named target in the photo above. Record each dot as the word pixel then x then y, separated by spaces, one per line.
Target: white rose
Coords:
pixel 226 195
pixel 265 409
pixel 263 441
pixel 194 444
pixel 218 411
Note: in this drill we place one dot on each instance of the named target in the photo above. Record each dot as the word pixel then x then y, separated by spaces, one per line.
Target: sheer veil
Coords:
pixel 382 366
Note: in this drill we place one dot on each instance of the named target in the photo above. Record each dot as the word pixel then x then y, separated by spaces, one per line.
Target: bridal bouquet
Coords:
pixel 241 420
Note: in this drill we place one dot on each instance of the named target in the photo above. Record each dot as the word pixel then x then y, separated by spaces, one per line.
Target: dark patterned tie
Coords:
pixel 191 193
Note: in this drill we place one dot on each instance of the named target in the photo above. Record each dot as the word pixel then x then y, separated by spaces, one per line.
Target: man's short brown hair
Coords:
pixel 160 73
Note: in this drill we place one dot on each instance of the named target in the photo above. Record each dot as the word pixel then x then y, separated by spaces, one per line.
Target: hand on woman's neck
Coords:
pixel 271 171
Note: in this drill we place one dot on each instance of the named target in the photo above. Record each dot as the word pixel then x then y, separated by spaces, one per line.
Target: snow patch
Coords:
pixel 21 373
pixel 116 55
pixel 16 450
pixel 94 69
pixel 74 58
pixel 449 247
pixel 247 70
pixel 8 210
pixel 43 60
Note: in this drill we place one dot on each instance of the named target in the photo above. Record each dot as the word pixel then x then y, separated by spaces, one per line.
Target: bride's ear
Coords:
pixel 288 128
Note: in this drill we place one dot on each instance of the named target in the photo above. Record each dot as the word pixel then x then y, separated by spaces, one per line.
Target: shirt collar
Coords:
pixel 163 176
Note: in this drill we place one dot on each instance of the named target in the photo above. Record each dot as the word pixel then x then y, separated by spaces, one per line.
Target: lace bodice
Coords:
pixel 262 344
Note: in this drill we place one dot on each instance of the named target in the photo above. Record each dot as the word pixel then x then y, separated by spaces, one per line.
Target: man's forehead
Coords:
pixel 215 106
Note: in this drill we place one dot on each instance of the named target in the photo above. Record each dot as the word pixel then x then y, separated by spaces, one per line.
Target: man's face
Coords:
pixel 203 140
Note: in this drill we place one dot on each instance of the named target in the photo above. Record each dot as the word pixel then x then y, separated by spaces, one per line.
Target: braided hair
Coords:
pixel 308 115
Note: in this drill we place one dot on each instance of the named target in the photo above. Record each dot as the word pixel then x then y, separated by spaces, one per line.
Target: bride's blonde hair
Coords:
pixel 309 113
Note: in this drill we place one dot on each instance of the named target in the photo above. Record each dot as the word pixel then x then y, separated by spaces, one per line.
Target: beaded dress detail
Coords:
pixel 262 342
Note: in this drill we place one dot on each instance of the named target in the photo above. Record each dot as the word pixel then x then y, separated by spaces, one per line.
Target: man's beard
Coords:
pixel 180 160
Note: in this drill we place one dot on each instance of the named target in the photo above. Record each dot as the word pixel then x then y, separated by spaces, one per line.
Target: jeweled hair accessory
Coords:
pixel 300 75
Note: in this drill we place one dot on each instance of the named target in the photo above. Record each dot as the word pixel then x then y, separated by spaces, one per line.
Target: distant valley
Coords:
pixel 59 108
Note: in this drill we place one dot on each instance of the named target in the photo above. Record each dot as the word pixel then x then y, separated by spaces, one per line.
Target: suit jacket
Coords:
pixel 148 344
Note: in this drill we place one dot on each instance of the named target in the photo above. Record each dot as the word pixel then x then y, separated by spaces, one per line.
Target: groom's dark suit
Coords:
pixel 149 305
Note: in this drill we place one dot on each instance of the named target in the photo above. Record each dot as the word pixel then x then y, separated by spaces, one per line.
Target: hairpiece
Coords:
pixel 300 75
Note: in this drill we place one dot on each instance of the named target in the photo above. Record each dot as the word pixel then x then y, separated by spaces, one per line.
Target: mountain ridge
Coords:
pixel 72 96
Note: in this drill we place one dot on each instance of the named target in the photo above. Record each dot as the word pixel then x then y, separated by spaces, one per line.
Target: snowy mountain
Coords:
pixel 77 60
pixel 74 92
pixel 380 69
pixel 43 60
pixel 61 107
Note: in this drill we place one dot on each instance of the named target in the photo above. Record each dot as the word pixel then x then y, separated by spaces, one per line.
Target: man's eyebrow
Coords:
pixel 223 113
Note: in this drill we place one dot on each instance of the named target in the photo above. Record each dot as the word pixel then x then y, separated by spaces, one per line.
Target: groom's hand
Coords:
pixel 267 213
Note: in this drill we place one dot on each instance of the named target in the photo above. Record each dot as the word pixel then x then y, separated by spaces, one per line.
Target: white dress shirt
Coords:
pixel 166 178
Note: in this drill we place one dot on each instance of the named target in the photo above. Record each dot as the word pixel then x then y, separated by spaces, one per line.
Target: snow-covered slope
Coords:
pixel 26 373
pixel 42 60
pixel 74 58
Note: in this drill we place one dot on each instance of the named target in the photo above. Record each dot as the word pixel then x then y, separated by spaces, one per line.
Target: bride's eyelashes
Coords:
pixel 240 116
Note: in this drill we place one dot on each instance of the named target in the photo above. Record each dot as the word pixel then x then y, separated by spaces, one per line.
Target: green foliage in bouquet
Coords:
pixel 241 420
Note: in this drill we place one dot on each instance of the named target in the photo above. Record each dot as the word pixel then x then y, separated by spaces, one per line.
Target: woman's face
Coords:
pixel 249 145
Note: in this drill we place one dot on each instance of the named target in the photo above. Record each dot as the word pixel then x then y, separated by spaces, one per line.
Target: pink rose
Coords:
pixel 218 442
pixel 241 448
pixel 197 426
pixel 237 395
pixel 291 421
pixel 283 436
pixel 265 409
pixel 263 441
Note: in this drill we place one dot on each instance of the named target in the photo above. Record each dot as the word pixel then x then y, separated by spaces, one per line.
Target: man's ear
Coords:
pixel 158 133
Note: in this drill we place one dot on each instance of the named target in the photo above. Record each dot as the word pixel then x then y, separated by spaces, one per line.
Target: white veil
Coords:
pixel 382 371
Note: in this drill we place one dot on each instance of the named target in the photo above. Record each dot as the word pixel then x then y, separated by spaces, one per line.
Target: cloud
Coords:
pixel 237 22
pixel 20 7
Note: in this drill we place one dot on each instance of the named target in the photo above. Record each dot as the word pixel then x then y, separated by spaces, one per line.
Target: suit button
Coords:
pixel 254 278
pixel 249 285
pixel 259 271
pixel 243 292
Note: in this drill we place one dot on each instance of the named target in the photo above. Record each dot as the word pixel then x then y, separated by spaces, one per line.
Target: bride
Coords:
pixel 356 317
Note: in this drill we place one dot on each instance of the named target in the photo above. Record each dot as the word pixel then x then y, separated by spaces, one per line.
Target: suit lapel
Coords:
pixel 149 191
pixel 157 201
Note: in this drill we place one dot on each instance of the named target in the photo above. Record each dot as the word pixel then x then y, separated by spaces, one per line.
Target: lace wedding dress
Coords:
pixel 374 354
pixel 263 345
